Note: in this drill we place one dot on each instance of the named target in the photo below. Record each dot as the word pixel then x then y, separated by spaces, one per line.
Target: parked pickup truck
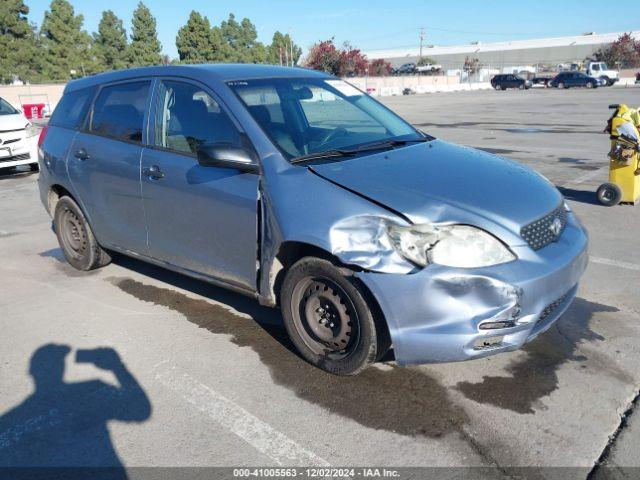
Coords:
pixel 601 71
pixel 428 68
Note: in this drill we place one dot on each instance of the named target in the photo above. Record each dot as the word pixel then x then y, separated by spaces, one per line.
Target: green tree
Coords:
pixel 283 50
pixel 18 55
pixel 145 48
pixel 110 42
pixel 242 41
pixel 67 47
pixel 197 42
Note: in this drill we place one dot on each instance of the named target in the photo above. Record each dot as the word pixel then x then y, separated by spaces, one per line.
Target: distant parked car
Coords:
pixel 502 82
pixel 574 79
pixel 428 68
pixel 18 138
pixel 406 69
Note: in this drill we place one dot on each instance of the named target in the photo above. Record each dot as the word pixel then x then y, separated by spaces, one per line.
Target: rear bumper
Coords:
pixel 435 314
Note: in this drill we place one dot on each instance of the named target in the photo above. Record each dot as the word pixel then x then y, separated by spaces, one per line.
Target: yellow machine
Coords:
pixel 624 172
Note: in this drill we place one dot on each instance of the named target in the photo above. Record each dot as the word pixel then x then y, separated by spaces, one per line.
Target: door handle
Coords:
pixel 153 172
pixel 82 154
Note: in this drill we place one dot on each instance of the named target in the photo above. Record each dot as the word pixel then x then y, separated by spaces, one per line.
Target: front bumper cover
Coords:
pixel 434 315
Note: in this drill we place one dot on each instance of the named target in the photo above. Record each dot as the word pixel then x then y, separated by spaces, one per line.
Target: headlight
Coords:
pixel 32 130
pixel 460 246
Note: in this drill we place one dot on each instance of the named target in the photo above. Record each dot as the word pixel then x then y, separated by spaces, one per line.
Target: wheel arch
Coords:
pixel 56 191
pixel 291 251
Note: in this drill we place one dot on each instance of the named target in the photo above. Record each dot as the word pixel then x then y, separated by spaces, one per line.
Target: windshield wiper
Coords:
pixel 326 154
pixel 366 148
pixel 393 143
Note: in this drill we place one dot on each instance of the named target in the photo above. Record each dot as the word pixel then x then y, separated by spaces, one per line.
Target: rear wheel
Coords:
pixel 521 86
pixel 561 85
pixel 609 194
pixel 328 318
pixel 79 245
pixel 590 85
pixel 498 87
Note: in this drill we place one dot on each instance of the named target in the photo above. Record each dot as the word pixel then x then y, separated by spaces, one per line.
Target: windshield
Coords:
pixel 6 108
pixel 304 116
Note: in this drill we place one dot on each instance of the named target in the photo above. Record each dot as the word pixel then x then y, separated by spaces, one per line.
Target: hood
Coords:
pixel 12 122
pixel 441 182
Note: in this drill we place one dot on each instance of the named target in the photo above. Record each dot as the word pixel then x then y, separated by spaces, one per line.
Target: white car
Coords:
pixel 429 67
pixel 18 138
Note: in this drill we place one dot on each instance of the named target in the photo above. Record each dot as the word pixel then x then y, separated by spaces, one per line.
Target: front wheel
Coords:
pixel 498 87
pixel 328 319
pixel 590 85
pixel 561 85
pixel 521 86
pixel 79 245
pixel 609 194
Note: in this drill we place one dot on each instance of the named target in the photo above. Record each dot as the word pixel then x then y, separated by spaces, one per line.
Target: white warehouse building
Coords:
pixel 549 52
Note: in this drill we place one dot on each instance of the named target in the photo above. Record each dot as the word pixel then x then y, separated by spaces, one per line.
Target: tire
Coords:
pixel 521 86
pixel 79 245
pixel 503 88
pixel 328 318
pixel 561 85
pixel 609 194
pixel 498 87
pixel 590 85
pixel 607 79
pixel 34 167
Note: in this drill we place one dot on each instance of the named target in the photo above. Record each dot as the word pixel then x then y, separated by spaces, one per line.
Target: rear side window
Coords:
pixel 118 112
pixel 72 108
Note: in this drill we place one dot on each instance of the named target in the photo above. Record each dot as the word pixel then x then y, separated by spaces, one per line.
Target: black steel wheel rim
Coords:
pixel 325 317
pixel 73 234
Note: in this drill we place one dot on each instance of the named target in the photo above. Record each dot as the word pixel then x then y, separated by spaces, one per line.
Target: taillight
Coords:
pixel 43 133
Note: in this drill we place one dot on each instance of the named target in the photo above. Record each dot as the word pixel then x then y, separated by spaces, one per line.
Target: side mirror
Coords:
pixel 226 155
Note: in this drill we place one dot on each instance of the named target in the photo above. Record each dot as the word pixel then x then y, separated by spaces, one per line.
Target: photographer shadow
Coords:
pixel 64 425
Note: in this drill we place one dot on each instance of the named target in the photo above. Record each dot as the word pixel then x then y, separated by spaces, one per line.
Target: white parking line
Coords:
pixel 615 263
pixel 264 438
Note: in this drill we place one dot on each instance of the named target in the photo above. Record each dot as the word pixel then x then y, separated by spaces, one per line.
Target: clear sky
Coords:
pixel 378 24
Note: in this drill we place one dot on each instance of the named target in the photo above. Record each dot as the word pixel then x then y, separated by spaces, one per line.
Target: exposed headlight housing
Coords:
pixel 461 246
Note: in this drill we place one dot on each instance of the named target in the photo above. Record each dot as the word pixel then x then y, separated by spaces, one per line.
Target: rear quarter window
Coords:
pixel 72 108
pixel 118 111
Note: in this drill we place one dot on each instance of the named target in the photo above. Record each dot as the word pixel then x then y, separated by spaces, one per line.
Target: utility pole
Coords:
pixel 421 40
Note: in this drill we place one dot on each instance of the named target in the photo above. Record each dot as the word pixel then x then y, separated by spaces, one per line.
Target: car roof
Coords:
pixel 220 71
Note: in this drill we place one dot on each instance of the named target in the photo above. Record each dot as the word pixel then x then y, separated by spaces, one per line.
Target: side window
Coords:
pixel 72 108
pixel 188 117
pixel 118 112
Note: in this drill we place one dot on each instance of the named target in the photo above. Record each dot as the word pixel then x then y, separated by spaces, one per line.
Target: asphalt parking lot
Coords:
pixel 207 377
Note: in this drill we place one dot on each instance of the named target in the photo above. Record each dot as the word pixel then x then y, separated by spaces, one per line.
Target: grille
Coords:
pixel 549 309
pixel 22 156
pixel 545 230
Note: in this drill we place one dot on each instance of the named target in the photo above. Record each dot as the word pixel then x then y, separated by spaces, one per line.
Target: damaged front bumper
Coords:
pixel 444 314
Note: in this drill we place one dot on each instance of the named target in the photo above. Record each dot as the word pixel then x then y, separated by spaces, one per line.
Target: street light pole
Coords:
pixel 421 40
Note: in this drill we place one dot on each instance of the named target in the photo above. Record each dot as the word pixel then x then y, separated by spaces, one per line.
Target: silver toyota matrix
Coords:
pixel 296 188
